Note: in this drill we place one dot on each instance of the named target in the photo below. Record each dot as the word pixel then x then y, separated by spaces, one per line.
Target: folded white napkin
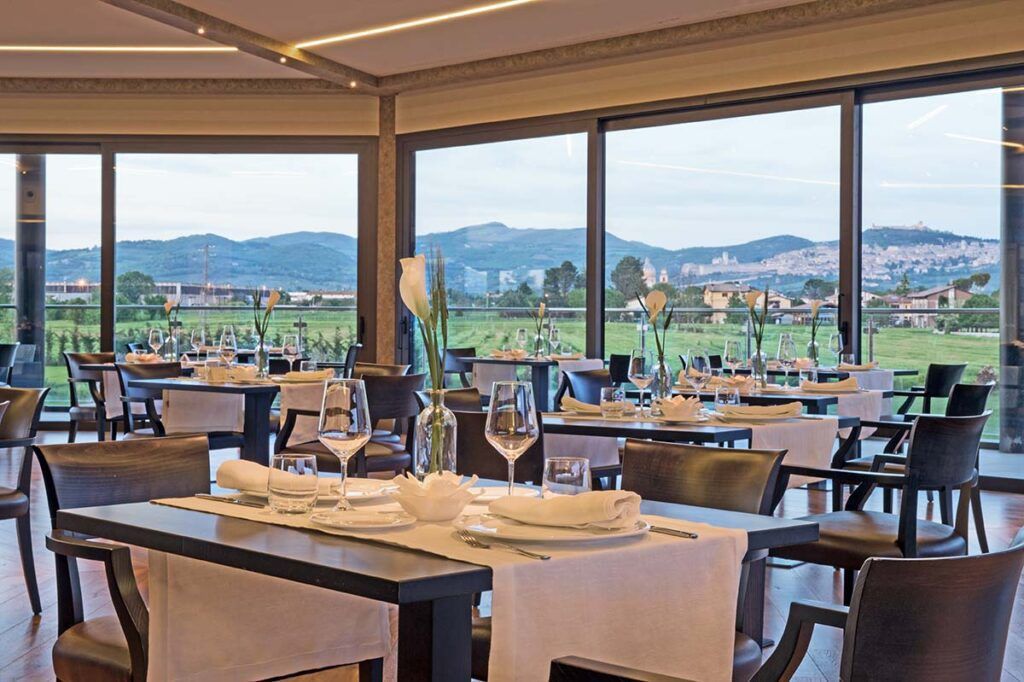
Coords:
pixel 678 407
pixel 237 474
pixel 567 356
pixel 803 363
pixel 843 367
pixel 743 382
pixel 142 357
pixel 312 377
pixel 844 386
pixel 241 373
pixel 786 410
pixel 608 509
pixel 570 404
pixel 515 354
pixel 440 497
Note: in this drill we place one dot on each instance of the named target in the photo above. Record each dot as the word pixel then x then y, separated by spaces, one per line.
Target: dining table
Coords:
pixel 540 373
pixel 434 594
pixel 815 402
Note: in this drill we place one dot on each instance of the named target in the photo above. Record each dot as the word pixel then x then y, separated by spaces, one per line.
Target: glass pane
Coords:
pixel 210 229
pixel 510 219
pixel 707 210
pixel 931 227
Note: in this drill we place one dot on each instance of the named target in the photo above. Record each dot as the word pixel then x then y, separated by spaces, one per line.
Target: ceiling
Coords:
pixel 512 30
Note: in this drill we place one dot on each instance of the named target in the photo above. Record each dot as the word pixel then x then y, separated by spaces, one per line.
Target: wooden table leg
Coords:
pixel 256 431
pixel 434 639
pixel 753 603
pixel 541 377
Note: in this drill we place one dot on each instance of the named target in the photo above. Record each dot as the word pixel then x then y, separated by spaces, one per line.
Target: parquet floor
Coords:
pixel 25 640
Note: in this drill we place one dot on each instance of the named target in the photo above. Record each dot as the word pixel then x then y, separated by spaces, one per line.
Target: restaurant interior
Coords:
pixel 511 340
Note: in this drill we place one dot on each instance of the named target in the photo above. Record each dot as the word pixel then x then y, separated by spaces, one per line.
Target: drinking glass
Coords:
pixel 197 340
pixel 848 359
pixel 521 338
pixel 699 372
pixel 809 375
pixel 836 345
pixel 732 354
pixel 612 399
pixel 511 422
pixel 641 372
pixel 307 366
pixel 156 339
pixel 786 354
pixel 566 476
pixel 344 426
pixel 292 485
pixel 554 340
pixel 228 345
pixel 290 349
pixel 725 395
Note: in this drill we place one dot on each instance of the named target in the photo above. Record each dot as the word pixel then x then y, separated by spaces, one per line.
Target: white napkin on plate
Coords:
pixel 743 382
pixel 440 497
pixel 142 357
pixel 608 509
pixel 678 407
pixel 570 404
pixel 843 367
pixel 515 354
pixel 241 373
pixel 845 386
pixel 803 363
pixel 237 474
pixel 312 377
pixel 566 356
pixel 754 411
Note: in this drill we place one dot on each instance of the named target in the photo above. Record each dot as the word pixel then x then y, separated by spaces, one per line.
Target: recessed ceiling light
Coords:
pixel 200 30
pixel 165 49
pixel 413 23
pixel 283 60
pixel 352 84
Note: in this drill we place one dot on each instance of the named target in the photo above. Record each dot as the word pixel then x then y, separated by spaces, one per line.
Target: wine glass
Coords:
pixel 511 422
pixel 197 340
pixel 290 349
pixel 836 345
pixel 641 372
pixel 156 339
pixel 344 426
pixel 732 355
pixel 786 354
pixel 521 338
pixel 699 373
pixel 554 340
pixel 228 348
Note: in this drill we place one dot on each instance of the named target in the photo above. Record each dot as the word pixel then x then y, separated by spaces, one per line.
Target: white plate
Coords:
pixel 776 389
pixel 755 419
pixel 357 489
pixel 507 530
pixel 362 520
pixel 831 391
pixel 675 422
pixel 262 495
pixel 281 379
pixel 492 493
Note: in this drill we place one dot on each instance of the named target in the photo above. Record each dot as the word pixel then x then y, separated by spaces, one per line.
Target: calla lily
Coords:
pixel 540 311
pixel 168 306
pixel 272 300
pixel 413 286
pixel 752 297
pixel 815 306
pixel 655 302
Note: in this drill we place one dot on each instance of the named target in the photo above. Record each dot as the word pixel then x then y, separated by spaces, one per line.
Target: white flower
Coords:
pixel 815 305
pixel 540 311
pixel 413 286
pixel 168 306
pixel 655 302
pixel 272 300
pixel 752 296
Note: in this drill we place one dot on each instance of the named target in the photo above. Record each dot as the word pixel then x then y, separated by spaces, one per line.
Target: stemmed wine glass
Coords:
pixel 197 340
pixel 228 348
pixel 521 338
pixel 699 373
pixel 732 356
pixel 554 339
pixel 787 354
pixel 641 372
pixel 344 426
pixel 511 422
pixel 836 345
pixel 156 339
pixel 290 349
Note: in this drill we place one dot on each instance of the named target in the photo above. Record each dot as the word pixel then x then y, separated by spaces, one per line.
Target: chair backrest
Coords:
pixel 74 362
pixel 8 354
pixel 474 455
pixel 455 399
pixel 618 368
pixel 136 347
pixel 931 619
pixel 967 400
pixel 453 360
pixel 22 417
pixel 145 370
pixel 119 472
pixel 939 379
pixel 586 385
pixel 393 397
pixel 350 360
pixel 715 361
pixel 740 480
pixel 279 366
pixel 364 369
pixel 943 451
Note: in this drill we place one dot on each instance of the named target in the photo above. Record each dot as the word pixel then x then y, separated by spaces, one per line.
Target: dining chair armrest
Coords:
pixel 792 646
pixel 888 424
pixel 914 391
pixel 25 442
pixel 281 442
pixel 911 395
pixel 73 545
pixel 850 476
pixel 879 462
pixel 576 669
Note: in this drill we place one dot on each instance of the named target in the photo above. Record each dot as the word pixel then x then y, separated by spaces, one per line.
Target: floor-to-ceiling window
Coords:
pixel 510 219
pixel 705 210
pixel 932 202
pixel 208 230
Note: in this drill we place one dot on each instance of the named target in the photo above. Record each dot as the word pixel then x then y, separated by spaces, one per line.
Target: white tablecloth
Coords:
pixel 600 451
pixel 302 397
pixel 676 616
pixel 866 405
pixel 877 380
pixel 196 412
pixel 809 442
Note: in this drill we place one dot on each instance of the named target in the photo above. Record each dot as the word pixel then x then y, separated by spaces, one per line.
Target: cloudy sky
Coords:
pixel 696 184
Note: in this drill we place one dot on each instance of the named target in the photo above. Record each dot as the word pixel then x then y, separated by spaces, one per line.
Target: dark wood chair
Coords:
pixel 137 348
pixel 351 355
pixel 93 381
pixel 474 455
pixel 740 480
pixel 941 457
pixel 364 369
pixel 454 364
pixel 909 620
pixel 938 382
pixel 618 368
pixel 455 399
pixel 89 474
pixel 18 431
pixel 586 385
pixel 8 354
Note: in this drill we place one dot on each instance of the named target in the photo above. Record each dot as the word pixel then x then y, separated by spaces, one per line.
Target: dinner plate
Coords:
pixel 676 422
pixel 356 489
pixel 755 418
pixel 491 493
pixel 280 379
pixel 776 389
pixel 497 528
pixel 362 520
pixel 830 391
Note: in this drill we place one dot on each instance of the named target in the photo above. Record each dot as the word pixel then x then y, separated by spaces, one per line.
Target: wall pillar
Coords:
pixel 387 261
pixel 30 265
pixel 1011 341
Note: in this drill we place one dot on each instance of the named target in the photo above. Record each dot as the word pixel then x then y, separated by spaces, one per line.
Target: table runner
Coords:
pixel 193 412
pixel 809 441
pixel 865 405
pixel 876 380
pixel 676 616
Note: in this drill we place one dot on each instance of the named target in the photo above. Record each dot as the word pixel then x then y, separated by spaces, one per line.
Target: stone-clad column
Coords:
pixel 387 262
pixel 30 264
pixel 1011 390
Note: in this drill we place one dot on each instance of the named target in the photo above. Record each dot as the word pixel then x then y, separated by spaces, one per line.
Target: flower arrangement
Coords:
pixel 757 323
pixel 538 323
pixel 812 347
pixel 170 350
pixel 261 325
pixel 653 305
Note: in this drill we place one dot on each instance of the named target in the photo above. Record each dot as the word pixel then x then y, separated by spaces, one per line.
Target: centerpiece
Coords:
pixel 812 347
pixel 653 305
pixel 538 322
pixel 261 325
pixel 171 347
pixel 434 434
pixel 759 360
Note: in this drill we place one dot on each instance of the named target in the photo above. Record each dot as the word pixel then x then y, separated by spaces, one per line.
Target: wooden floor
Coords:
pixel 25 640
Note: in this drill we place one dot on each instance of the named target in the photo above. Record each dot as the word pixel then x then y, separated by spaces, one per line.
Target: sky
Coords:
pixel 706 183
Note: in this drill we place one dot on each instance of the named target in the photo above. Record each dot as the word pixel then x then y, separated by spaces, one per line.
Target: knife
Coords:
pixel 229 500
pixel 672 531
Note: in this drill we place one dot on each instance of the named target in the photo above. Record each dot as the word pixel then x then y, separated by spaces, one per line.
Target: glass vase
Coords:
pixel 262 360
pixel 759 368
pixel 661 387
pixel 812 351
pixel 434 437
pixel 538 345
pixel 171 345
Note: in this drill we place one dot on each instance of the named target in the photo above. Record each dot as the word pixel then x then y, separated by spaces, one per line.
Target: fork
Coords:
pixel 474 541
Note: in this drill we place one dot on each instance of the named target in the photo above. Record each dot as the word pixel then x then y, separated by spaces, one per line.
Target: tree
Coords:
pixel 979 320
pixel 613 298
pixel 671 293
pixel 520 297
pixel 978 280
pixel 819 289
pixel 559 281
pixel 6 285
pixel 903 288
pixel 628 277
pixel 133 285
